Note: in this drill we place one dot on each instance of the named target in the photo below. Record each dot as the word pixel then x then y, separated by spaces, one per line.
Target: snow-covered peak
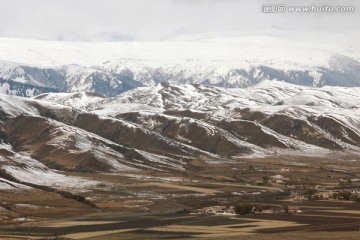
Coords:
pixel 110 68
pixel 269 96
pixel 229 52
pixel 80 100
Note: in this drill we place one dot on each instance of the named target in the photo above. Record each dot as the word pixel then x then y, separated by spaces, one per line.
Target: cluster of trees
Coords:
pixel 346 195
pixel 185 210
pixel 309 194
pixel 246 208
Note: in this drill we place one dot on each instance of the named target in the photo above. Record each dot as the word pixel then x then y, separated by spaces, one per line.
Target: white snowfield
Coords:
pixel 7 185
pixel 222 53
pixel 79 100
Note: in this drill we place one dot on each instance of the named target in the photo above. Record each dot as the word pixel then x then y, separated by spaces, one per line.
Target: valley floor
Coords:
pixel 148 205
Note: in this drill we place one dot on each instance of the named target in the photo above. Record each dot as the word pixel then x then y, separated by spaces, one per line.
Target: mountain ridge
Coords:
pixel 112 68
pixel 55 134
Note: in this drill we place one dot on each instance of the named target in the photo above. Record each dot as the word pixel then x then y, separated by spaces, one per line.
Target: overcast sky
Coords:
pixel 142 20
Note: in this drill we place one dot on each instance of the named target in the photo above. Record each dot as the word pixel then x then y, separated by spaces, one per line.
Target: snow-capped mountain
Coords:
pixel 165 127
pixel 268 115
pixel 32 67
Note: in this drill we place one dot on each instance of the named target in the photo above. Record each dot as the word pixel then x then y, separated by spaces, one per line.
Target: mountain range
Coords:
pixel 31 67
pixel 165 127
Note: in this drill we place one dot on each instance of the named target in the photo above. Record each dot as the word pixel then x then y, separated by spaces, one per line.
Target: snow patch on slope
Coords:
pixel 27 169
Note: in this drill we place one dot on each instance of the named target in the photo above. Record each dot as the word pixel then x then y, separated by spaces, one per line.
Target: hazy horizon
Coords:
pixel 156 20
